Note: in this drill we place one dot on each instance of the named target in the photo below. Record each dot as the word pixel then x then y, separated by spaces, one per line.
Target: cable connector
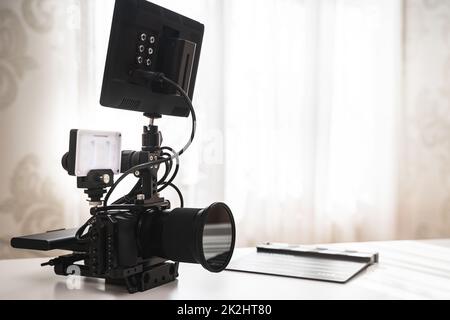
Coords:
pixel 148 75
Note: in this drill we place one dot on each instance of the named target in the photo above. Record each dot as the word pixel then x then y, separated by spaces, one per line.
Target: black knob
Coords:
pixel 64 161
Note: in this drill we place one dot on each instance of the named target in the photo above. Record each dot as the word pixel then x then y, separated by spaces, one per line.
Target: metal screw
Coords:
pixel 140 197
pixel 137 173
pixel 95 203
pixel 106 178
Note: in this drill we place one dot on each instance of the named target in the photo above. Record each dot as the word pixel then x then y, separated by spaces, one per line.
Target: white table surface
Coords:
pixel 407 270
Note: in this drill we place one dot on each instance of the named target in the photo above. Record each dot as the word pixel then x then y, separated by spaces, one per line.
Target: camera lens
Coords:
pixel 217 237
pixel 205 236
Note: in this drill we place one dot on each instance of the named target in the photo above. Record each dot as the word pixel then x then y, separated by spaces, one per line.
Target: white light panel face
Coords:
pixel 97 150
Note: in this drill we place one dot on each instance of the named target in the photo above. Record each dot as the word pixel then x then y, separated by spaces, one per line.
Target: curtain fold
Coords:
pixel 312 92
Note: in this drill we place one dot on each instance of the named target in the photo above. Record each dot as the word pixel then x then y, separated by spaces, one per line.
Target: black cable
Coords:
pixel 115 207
pixel 79 233
pixel 99 211
pixel 129 171
pixel 180 195
pixel 177 166
pixel 160 76
pixel 128 198
pixel 168 165
pixel 191 108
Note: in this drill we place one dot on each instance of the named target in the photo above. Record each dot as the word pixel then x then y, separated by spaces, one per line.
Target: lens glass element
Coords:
pixel 218 236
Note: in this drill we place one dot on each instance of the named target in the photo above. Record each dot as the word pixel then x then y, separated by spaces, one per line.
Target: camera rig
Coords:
pixel 106 262
pixel 136 241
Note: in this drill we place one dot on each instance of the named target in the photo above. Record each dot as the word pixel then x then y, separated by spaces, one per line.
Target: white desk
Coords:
pixel 407 270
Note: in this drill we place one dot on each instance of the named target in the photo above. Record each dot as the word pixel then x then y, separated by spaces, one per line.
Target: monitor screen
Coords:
pixel 147 37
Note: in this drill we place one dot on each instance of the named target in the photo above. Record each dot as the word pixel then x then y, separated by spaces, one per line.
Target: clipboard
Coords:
pixel 304 262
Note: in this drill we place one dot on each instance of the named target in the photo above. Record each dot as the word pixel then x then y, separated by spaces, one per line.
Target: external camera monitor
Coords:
pixel 146 37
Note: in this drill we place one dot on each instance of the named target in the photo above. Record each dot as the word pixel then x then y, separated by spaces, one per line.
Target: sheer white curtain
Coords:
pixel 310 118
pixel 297 104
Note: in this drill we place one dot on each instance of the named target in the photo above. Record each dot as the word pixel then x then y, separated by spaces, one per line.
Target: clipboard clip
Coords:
pixel 318 252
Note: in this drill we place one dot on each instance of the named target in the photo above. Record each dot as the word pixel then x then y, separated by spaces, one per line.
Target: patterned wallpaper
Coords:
pixel 424 208
pixel 14 56
pixel 30 201
pixel 31 206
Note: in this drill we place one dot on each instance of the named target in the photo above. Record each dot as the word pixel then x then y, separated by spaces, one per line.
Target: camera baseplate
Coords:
pixel 146 275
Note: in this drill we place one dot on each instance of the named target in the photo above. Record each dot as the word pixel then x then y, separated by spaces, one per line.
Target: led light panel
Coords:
pixel 97 150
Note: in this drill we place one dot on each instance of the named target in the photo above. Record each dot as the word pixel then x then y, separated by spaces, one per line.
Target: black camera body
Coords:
pixel 112 250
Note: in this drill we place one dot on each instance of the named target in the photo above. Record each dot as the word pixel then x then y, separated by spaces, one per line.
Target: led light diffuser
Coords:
pixel 95 150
